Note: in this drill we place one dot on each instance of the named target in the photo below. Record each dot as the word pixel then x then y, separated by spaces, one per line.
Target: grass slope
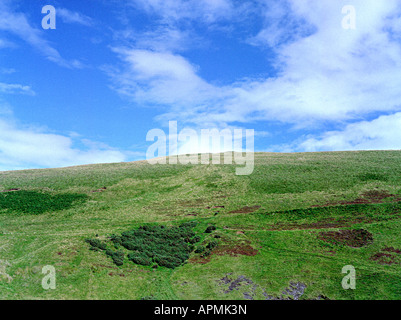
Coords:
pixel 273 228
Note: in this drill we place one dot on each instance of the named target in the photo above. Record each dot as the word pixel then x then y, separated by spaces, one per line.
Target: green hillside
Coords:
pixel 141 231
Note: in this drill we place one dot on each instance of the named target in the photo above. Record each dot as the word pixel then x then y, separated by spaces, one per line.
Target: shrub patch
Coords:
pixel 33 202
pixel 152 245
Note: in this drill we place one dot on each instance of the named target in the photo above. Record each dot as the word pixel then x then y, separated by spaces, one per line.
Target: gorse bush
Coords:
pixel 118 258
pixel 212 244
pixel 153 244
pixel 200 249
pixel 96 243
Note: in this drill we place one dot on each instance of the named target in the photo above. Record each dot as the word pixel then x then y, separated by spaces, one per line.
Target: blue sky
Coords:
pixel 90 90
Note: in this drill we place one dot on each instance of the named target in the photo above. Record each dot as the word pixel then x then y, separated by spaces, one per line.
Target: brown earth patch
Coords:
pixel 246 209
pixel 116 274
pixel 389 256
pixel 104 266
pixel 230 248
pixel 191 203
pixel 235 251
pixel 351 238
pixel 200 260
pixel 383 258
pixel 10 190
pixel 371 196
pixel 391 249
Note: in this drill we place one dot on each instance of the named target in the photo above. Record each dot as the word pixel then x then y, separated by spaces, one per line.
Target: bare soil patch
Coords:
pixel 99 190
pixel 236 250
pixel 246 209
pixel 351 238
pixel 232 249
pixel 371 196
pixel 388 257
pixel 383 258
pixel 191 203
pixel 10 190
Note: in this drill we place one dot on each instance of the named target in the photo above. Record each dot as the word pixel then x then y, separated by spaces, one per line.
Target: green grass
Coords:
pixel 56 210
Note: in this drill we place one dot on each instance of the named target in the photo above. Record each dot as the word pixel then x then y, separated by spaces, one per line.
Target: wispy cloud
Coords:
pixel 15 89
pixel 206 11
pixel 69 16
pixel 16 23
pixel 163 38
pixel 150 77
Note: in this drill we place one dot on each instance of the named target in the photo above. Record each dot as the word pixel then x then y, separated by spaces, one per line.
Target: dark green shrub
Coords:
pixel 189 224
pixel 131 245
pixel 195 239
pixel 140 259
pixel 169 262
pixel 96 243
pixel 166 246
pixel 212 244
pixel 118 258
pixel 33 202
pixel 200 249
pixel 209 229
pixel 116 239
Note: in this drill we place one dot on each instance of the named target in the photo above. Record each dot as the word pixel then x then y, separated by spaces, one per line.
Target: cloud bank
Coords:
pixel 25 147
pixel 325 73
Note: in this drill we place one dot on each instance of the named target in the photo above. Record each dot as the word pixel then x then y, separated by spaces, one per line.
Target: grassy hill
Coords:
pixel 285 231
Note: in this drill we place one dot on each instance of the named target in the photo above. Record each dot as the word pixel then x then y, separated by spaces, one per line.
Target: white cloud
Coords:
pixel 15 89
pixel 5 44
pixel 383 133
pixel 22 147
pixel 332 74
pixel 326 74
pixel 325 71
pixel 207 11
pixel 17 24
pixel 161 78
pixel 68 16
pixel 161 39
pixel 7 70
